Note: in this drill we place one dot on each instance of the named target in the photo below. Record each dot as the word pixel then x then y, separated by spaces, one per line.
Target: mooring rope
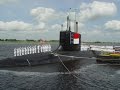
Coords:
pixel 77 76
pixel 29 64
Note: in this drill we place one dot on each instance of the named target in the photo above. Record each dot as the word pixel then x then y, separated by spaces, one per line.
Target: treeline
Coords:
pixel 29 40
pixel 17 40
pixel 8 40
pixel 100 42
pixel 54 40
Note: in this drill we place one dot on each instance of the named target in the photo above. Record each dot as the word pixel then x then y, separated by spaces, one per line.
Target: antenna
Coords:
pixel 76 26
pixel 61 27
pixel 68 23
pixel 75 13
pixel 69 20
pixel 75 22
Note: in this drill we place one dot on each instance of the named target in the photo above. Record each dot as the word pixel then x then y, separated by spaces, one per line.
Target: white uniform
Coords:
pixel 22 49
pixel 15 52
pixel 45 48
pixel 38 49
pixel 18 52
pixel 25 50
pixel 35 49
pixel 28 50
pixel 41 48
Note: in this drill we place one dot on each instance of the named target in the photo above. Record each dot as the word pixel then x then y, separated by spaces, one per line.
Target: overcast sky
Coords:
pixel 99 20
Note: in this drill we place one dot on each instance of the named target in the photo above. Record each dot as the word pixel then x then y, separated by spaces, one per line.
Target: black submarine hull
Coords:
pixel 44 58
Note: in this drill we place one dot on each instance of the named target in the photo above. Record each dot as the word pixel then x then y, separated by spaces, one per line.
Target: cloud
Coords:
pixel 96 9
pixel 58 26
pixel 7 1
pixel 15 25
pixel 40 27
pixel 21 26
pixel 43 14
pixel 112 25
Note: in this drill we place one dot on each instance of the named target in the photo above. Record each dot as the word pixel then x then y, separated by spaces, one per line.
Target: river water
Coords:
pixel 84 74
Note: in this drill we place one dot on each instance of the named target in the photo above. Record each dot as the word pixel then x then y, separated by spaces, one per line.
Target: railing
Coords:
pixel 100 48
pixel 32 49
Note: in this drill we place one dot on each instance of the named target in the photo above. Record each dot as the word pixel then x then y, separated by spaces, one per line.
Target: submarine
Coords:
pixel 69 49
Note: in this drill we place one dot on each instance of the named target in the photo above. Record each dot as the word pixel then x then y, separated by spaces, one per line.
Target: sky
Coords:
pixel 99 20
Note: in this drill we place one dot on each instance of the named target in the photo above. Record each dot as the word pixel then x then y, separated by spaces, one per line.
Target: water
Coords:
pixel 85 74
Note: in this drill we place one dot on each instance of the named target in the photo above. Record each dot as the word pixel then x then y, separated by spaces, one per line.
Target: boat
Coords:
pixel 109 57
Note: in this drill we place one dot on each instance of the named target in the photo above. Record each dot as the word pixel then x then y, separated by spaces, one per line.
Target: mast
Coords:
pixel 68 23
pixel 61 27
pixel 76 26
pixel 75 23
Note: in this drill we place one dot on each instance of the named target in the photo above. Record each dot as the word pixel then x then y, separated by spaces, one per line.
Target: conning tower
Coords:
pixel 70 40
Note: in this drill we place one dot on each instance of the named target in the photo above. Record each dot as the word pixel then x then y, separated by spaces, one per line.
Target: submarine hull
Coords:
pixel 44 58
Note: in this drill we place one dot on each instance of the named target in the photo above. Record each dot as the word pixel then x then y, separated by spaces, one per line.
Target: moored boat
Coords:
pixel 109 57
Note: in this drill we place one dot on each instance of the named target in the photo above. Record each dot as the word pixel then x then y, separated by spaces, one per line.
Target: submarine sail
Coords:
pixel 69 40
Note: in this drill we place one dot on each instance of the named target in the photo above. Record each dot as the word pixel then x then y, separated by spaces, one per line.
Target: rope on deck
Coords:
pixel 29 64
pixel 77 76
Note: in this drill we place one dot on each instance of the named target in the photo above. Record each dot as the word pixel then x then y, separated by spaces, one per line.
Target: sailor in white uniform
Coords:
pixel 28 50
pixel 20 51
pixel 25 50
pixel 45 48
pixel 38 49
pixel 35 49
pixel 41 48
pixel 15 52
